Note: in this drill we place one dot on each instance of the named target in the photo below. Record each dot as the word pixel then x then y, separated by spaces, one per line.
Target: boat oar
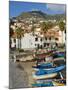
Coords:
pixel 61 75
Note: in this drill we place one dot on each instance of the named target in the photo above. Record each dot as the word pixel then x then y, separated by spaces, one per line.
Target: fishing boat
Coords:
pixel 43 65
pixel 38 59
pixel 54 70
pixel 58 84
pixel 37 69
pixel 58 55
pixel 46 84
pixel 41 74
pixel 42 84
pixel 58 59
pixel 43 55
pixel 45 76
pixel 61 52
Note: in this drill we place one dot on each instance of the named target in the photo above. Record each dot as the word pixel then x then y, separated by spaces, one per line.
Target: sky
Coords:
pixel 17 7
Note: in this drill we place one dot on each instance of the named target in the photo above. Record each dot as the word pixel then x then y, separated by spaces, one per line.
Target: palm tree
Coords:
pixel 50 25
pixel 62 28
pixel 33 29
pixel 44 27
pixel 19 34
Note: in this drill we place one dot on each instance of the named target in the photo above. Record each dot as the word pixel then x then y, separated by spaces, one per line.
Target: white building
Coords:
pixel 61 37
pixel 31 41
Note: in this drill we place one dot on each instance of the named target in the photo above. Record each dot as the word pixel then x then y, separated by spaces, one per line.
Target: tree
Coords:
pixel 19 34
pixel 44 27
pixel 33 29
pixel 62 28
pixel 50 25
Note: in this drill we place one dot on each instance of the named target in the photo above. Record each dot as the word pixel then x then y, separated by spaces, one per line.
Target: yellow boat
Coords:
pixel 57 83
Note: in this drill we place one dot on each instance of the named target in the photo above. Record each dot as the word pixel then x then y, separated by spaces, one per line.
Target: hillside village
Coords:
pixel 35 33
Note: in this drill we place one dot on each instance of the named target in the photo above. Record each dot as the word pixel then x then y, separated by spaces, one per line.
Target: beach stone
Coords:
pixel 18 77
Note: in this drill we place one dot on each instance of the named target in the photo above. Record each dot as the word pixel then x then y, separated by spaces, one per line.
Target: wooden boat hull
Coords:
pixel 52 75
pixel 57 84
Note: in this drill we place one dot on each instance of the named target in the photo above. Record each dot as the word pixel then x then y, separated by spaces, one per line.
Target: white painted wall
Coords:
pixel 62 37
pixel 28 41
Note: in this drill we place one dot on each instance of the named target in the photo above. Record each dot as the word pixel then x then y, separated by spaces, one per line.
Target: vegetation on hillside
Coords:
pixel 39 14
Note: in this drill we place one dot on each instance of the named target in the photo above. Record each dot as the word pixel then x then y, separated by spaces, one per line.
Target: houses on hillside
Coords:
pixel 36 39
pixel 30 41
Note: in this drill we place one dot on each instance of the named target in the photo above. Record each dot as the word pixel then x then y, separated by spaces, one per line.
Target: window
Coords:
pixel 45 38
pixel 41 39
pixel 38 46
pixel 14 40
pixel 47 44
pixel 56 44
pixel 44 44
pixel 36 39
pixel 15 45
pixel 65 31
pixel 56 38
pixel 50 38
pixel 41 47
pixel 35 44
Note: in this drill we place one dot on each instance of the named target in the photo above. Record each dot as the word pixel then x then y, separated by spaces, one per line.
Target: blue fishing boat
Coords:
pixel 43 84
pixel 58 55
pixel 50 82
pixel 44 74
pixel 44 65
pixel 61 54
pixel 53 70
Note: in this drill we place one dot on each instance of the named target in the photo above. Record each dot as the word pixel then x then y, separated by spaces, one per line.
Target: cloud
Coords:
pixel 56 7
